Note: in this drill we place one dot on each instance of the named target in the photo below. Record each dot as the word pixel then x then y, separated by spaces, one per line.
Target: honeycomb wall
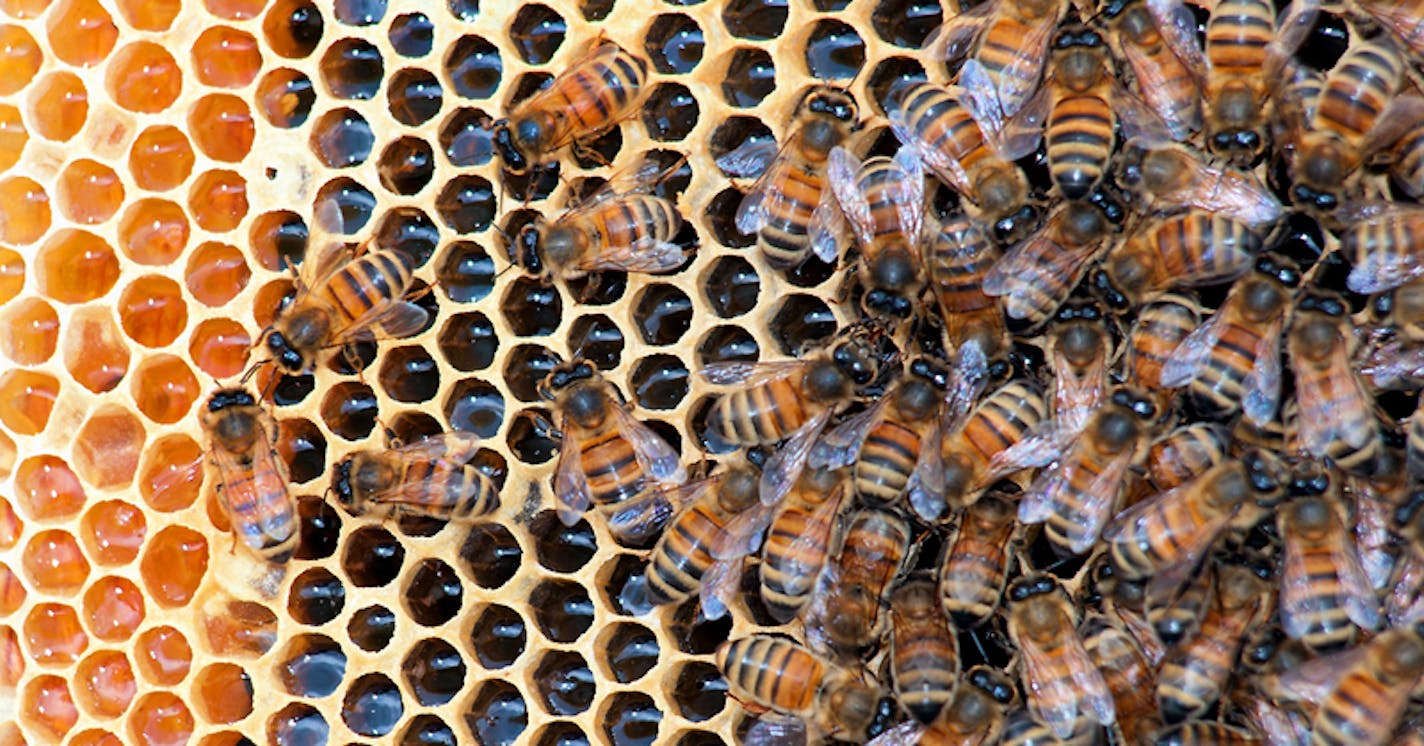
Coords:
pixel 158 166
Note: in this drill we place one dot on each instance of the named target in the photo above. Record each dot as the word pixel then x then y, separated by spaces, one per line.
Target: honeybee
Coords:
pixel 1401 17
pixel 1009 40
pixel 1380 240
pixel 1375 501
pixel 1061 681
pixel 883 199
pixel 998 422
pixel 681 563
pixel 962 139
pixel 1125 601
pixel 789 400
pixel 779 674
pixel 893 445
pixel 592 96
pixel 975 566
pixel 874 550
pixel 799 541
pixel 1158 42
pixel 1414 441
pixel 606 456
pixel 780 206
pixel 1195 248
pixel 1325 593
pixel 1078 494
pixel 1332 135
pixel 1246 54
pixel 1233 362
pixel 1404 596
pixel 924 653
pixel 1195 673
pixel 1336 419
pixel 619 227
pixel 1394 357
pixel 1187 452
pixel 1023 729
pixel 974 715
pixel 1159 329
pixel 1035 277
pixel 428 477
pixel 1205 733
pixel 957 260
pixel 341 296
pixel 252 481
pixel 1177 615
pixel 1371 690
pixel 1081 120
pixel 1172 176
pixel 1129 675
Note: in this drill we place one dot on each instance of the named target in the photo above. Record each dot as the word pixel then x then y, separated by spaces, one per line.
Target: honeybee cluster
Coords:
pixel 1116 450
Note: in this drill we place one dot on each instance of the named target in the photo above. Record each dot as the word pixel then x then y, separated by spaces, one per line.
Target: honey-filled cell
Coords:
pixel 54 564
pixel 113 531
pixel 153 231
pixel 216 273
pixel 48 708
pixel 152 311
pixel 221 126
pixel 12 659
pixel 164 388
pixel 107 447
pixel 88 192
pixel 8 453
pixel 225 57
pixel 59 106
pixel 160 158
pixel 12 274
pixel 143 78
pixel 26 399
pixel 24 8
pixel 11 524
pixel 24 210
pixel 12 592
pixel 54 635
pixel 12 136
pixel 217 200
pixel 160 719
pixel 172 474
pixel 173 565
pixel 104 684
pixel 81 32
pixel 149 15
pixel 220 347
pixel 47 489
pixel 20 58
pixel 285 97
pixel 113 608
pixel 95 737
pixel 222 693
pixel 33 331
pixel 95 354
pixel 163 656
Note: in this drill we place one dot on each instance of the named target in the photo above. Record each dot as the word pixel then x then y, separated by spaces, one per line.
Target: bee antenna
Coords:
pixel 978 644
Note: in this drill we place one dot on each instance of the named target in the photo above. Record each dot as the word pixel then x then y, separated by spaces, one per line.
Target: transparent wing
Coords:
pixel 784 467
pixel 1178 27
pixel 944 165
pixel 752 158
pixel 926 485
pixel 1051 695
pixel 1234 193
pixel 840 446
pixel 648 253
pixel 639 519
pixel 842 174
pixel 455 447
pixel 1291 30
pixel 909 193
pixel 828 228
pixel 1099 500
pixel 907 733
pixel 981 99
pixel 720 586
pixel 268 516
pixel 1360 603
pixel 1136 117
pixel 811 544
pixel 743 533
pixel 748 373
pixel 657 458
pixel 571 490
pixel 777 730
pixel 953 38
pixel 1037 503
pixel 1089 683
pixel 1263 383
pixel 1379 271
pixel 1043 444
pixel 1185 362
pixel 403 319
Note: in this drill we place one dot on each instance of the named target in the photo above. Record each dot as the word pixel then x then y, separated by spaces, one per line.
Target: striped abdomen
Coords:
pixel 463 491
pixel 772 672
pixel 762 414
pixel 925 656
pixel 785 583
pixel 1003 419
pixel 1014 68
pixel 1186 453
pixel 1194 674
pixel 880 184
pixel 958 259
pixel 1129 677
pixel 620 222
pixel 683 554
pixel 1160 328
pixel 612 467
pixel 971 578
pixel 944 127
pixel 1408 165
pixel 887 458
pixel 375 279
pixel 262 512
pixel 1395 238
pixel 1166 530
pixel 1358 90
pixel 1220 385
pixel 1372 696
pixel 1079 137
pixel 1311 585
pixel 1072 523
pixel 594 96
pixel 785 236
pixel 1236 38
pixel 1201 247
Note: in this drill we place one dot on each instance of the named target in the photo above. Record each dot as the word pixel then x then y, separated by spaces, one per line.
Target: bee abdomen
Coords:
pixel 614 474
pixel 886 461
pixel 363 284
pixel 1079 139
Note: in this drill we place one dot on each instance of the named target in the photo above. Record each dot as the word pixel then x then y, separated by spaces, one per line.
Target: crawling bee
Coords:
pixel 252 481
pixel 784 677
pixel 428 477
pixel 1061 680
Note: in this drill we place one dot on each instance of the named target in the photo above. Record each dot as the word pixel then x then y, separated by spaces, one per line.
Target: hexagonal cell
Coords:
pixel 11 525
pixel 468 342
pixel 413 96
pixel 160 158
pixel 114 608
pixel 497 714
pixel 113 531
pixel 24 210
pixel 106 684
pixel 349 410
pixel 412 35
pixel 293 28
pixel 217 200
pixel 222 127
pixel 245 629
pixel 428 730
pixel 801 320
pixel 525 367
pixel 23 58
pixel 160 717
pixel 373 557
pixel 465 137
pixel 152 311
pixel 906 23
pixel 48 706
pixel 756 20
pixel 835 51
pixel 75 266
pixel 731 286
pixel 234 10
pixel 562 610
pixel 285 97
pixel 887 73
pixel 750 77
pixel 465 272
pixel 222 693
pixel 371 629
pixel 47 489
pixel 88 192
pixel 693 633
pixel 320 527
pixel 663 314
pixel 342 138
pixel 537 184
pixel 12 136
pixel 311 665
pixel 352 69
pixel 613 575
pixel 564 682
pixel 107 447
pixel 143 77
pixel 700 692
pixel 316 597
pixel 659 382
pixel 466 204
pixel 723 344
pixel 531 436
pixel 355 202
pixel 297 722
pixel 360 12
pixel 474 67
pixel 163 656
pixel 631 719
pixel 216 273
pixel 631 652
pixel 224 57
pixel 562 548
pixel 53 635
pixel 406 165
pixel 34 331
pixel 60 105
pixel 434 671
pixel 409 374
pixel 154 231
pixel 674 43
pixel 220 347
pixel 372 705
pixel 26 400
pixel 537 31
pixel 698 738
pixel 595 338
pixel 302 447
pixel 498 637
pixel 735 132
pixel 434 593
pixel 81 33
pixel 532 308
pixel 491 554
pixel 54 564
pixel 670 112
pixel 474 406
pixel 288 390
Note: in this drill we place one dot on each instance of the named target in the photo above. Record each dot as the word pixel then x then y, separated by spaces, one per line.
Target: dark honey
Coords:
pixel 349 410
pixel 800 320
pixel 497 715
pixel 373 557
pixel 406 165
pixel 631 652
pixel 474 406
pixel 525 368
pixel 412 35
pixel 293 28
pixel 371 629
pixel 632 719
pixel 887 73
pixel 562 610
pixel 498 637
pixel 537 31
pixel 663 313
pixel 727 344
pixel 427 730
pixel 700 691
pixel 467 341
pixel 465 137
pixel 301 445
pixel 720 216
pixel 434 671
pixel 372 705
pixel 562 548
pixel 320 529
pixel 434 593
pixel 834 50
pixel 674 44
pixel 316 597
pixel 671 112
pixel 297 724
pixel 413 96
pixel 693 633
pixel 311 665
pixel 342 138
pixel 564 682
pixel 530 436
pixel 285 97
pixel 659 382
pixel 360 12
pixel 756 20
pixel 750 77
pixel 466 204
pixel 474 67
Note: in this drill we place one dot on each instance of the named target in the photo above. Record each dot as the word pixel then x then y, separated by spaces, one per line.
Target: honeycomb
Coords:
pixel 158 166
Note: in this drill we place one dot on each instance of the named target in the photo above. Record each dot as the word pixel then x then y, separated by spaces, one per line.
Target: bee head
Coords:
pixel 564 376
pixel 508 148
pixel 1137 402
pixel 1028 586
pixel 341 485
pixel 931 371
pixel 1328 304
pixel 1237 144
pixel 1012 227
pixel 993 683
pixel 887 304
pixel 834 102
pixel 855 358
pixel 224 398
pixel 1102 285
pixel 854 707
pixel 1308 480
pixel 1265 473
pixel 286 356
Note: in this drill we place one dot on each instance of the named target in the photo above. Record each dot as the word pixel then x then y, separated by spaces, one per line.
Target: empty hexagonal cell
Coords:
pixel 562 609
pixel 373 557
pixel 631 652
pixel 413 96
pixel 466 204
pixel 659 382
pixel 723 344
pixel 293 28
pixel 631 719
pixel 800 320
pixel 674 43
pixel 341 138
pixel 835 51
pixel 564 683
pixel 906 23
pixel 491 554
pixel 372 705
pixel 412 35
pixel 663 314
pixel 531 436
pixel 410 230
pixel 433 594
pixel 887 73
pixel 352 69
pixel 465 272
pixel 371 628
pixel 750 77
pixel 474 67
pixel 613 575
pixel 595 338
pixel 428 730
pixel 297 722
pixel 498 637
pixel 221 126
pixel 349 410
pixel 474 406
pixel 525 367
pixel 434 671
pixel 406 165
pixel 316 597
pixel 409 374
pixel 755 19
pixel 537 31
pixel 285 97
pixel 497 714
pixel 700 692
pixel 562 548
pixel 693 633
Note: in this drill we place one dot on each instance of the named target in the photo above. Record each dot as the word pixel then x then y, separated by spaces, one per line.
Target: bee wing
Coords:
pixel 754 157
pixel 1378 271
pixel 638 520
pixel 1403 114
pixel 1023 131
pixel 1152 82
pixel 1313 680
pixel 720 585
pixel 1136 117
pixel 806 545
pixel 777 730
pixel 262 524
pixel 784 467
pixel 1099 501
pixel 1051 696
pixel 970 374
pixel 1263 383
pixel 1018 275
pixel 907 733
pixel 1076 397
pixel 980 97
pixel 827 228
pixel 571 490
pixel 657 458
pixel 455 447
pixel 926 485
pixel 1292 28
pixel 331 252
pixel 1184 363
pixel 1317 433
pixel 743 533
pixel 748 374
pixel 1090 685
pixel 1393 364
pixel 1178 28
pixel 647 254
pixel 1036 505
pixel 952 39
pixel 1043 444
pixel 1360 603
pixel 1234 193
pixel 945 166
pixel 842 172
pixel 1168 580
pixel 909 194
pixel 841 444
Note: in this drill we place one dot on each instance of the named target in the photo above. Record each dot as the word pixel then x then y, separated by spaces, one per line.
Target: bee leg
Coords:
pixel 590 288
pixel 589 154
